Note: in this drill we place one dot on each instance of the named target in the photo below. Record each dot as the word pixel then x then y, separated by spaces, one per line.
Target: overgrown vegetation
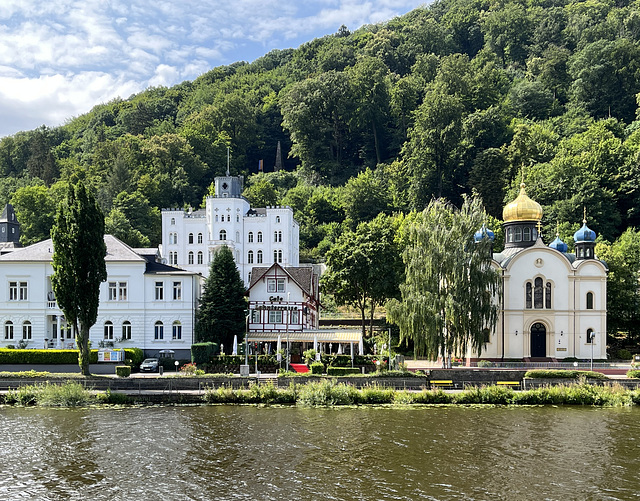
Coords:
pixel 563 374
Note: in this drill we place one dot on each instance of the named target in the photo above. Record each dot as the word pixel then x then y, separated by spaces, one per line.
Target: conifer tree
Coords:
pixel 221 314
pixel 78 264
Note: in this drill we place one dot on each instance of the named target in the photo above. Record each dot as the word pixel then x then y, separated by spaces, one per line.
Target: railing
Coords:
pixel 52 305
pixel 552 365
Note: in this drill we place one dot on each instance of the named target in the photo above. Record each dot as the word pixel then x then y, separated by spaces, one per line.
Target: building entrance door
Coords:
pixel 538 340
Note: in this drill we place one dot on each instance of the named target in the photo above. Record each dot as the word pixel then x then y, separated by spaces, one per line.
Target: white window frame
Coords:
pixel 126 330
pixel 176 331
pixel 27 330
pixel 159 287
pixel 108 331
pixel 177 291
pixel 158 331
pixel 275 316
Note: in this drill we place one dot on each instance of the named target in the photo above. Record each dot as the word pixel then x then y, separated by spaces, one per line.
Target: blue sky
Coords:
pixel 59 58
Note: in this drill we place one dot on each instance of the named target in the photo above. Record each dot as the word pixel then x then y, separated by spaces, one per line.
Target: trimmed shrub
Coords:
pixel 123 370
pixel 317 368
pixel 624 354
pixel 201 353
pixel 342 371
pixel 567 374
pixel 633 374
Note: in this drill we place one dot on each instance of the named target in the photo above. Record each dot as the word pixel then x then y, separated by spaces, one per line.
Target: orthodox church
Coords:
pixel 553 302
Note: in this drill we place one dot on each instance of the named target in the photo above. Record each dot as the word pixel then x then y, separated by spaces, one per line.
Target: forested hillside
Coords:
pixel 460 96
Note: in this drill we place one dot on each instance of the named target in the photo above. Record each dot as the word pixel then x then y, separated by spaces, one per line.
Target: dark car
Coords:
pixel 150 365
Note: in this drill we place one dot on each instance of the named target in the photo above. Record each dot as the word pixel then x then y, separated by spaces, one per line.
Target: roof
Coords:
pixel 160 268
pixel 322 336
pixel 43 252
pixel 301 275
pixel 4 218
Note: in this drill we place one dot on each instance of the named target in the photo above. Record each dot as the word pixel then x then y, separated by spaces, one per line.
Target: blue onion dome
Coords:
pixel 584 234
pixel 559 245
pixel 483 233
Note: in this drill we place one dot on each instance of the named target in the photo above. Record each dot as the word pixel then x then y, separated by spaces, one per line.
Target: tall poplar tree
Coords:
pixel 78 264
pixel 450 289
pixel 221 314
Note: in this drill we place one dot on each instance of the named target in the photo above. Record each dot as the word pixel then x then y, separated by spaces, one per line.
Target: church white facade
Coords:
pixel 553 302
pixel 257 237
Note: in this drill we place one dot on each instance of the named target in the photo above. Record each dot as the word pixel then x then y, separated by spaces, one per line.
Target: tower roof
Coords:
pixel 522 208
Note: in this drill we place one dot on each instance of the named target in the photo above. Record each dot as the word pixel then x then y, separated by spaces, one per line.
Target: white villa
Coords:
pixel 143 303
pixel 554 303
pixel 257 237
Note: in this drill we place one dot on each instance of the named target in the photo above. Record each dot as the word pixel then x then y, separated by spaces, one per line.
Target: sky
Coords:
pixel 59 58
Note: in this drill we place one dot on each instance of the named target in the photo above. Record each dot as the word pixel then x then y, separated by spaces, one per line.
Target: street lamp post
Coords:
pixel 287 327
pixel 593 341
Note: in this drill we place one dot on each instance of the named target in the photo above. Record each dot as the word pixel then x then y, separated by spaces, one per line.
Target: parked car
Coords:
pixel 150 365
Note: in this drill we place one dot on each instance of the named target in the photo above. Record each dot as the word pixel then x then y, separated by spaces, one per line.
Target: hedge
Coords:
pixel 563 374
pixel 342 371
pixel 123 370
pixel 317 368
pixel 51 356
pixel 201 353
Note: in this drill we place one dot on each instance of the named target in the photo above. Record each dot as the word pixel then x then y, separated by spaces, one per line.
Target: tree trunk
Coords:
pixel 373 309
pixel 364 319
pixel 82 340
pixel 375 142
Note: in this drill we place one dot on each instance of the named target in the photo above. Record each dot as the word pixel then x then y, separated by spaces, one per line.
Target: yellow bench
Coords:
pixel 441 382
pixel 508 383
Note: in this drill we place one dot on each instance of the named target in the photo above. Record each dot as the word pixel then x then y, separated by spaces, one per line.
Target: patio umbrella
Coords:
pixel 315 343
pixel 339 348
pixel 235 345
pixel 361 346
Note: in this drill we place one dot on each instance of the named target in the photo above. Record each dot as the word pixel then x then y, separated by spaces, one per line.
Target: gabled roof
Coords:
pixel 117 251
pixel 301 275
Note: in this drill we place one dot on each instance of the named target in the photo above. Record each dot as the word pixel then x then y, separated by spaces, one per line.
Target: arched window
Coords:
pixel 277 219
pixel 509 235
pixel 259 237
pixel 190 257
pixel 199 257
pixel 518 234
pixel 250 257
pixel 590 336
pixel 279 256
pixel 8 330
pixel 537 293
pixel 173 220
pixel 217 218
pixel 237 236
pixel 589 300
pixel 526 234
pixel 250 237
pixel 176 331
pixel 547 296
pixel 108 330
pixel 199 238
pixel 275 256
pixel 237 218
pixel 275 236
pixel 259 256
pixel 190 238
pixel 223 235
pixel 158 331
pixel 528 296
pixel 26 330
pixel 126 330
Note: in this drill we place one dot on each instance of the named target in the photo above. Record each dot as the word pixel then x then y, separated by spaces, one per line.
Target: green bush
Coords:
pixel 485 363
pixel 111 397
pixel 201 353
pixel 136 355
pixel 327 393
pixel 375 394
pixel 123 370
pixel 633 374
pixel 624 355
pixel 309 356
pixel 51 356
pixel 69 394
pixel 317 368
pixel 341 361
pixel 484 395
pixel 342 371
pixel 560 374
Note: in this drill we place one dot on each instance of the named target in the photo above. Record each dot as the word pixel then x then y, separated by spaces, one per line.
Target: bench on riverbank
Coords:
pixel 441 382
pixel 508 383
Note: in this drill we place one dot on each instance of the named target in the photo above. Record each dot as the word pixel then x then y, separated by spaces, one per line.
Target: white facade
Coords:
pixel 143 304
pixel 257 237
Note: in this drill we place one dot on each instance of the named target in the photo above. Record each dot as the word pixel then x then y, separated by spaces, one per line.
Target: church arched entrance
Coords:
pixel 538 340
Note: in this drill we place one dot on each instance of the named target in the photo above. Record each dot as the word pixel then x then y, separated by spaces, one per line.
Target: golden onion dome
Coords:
pixel 522 209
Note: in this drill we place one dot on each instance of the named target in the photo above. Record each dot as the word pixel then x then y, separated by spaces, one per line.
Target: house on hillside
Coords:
pixel 256 236
pixel 143 303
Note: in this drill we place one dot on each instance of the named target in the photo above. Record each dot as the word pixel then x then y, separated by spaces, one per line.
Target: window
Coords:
pixel 589 300
pixel 237 218
pixel 190 257
pixel 199 238
pixel 18 291
pixel 13 291
pixel 509 235
pixel 275 317
pixel 237 236
pixel 177 291
pixel 528 295
pixel 158 331
pixel 23 291
pixel 259 237
pixel 275 256
pixel 295 317
pixel 159 291
pixel 176 331
pixel 486 336
pixel 537 293
pixel 190 238
pixel 280 256
pixel 113 291
pixel 259 257
pixel 526 234
pixel 126 330
pixel 26 330
pixel 591 336
pixel 250 237
pixel 547 296
pixel 108 330
pixel 199 257
pixel 8 330
pixel 255 316
pixel 223 235
pixel 250 257
pixel 173 220
pixel 217 218
pixel 275 284
pixel 518 234
pixel 275 236
pixel 277 219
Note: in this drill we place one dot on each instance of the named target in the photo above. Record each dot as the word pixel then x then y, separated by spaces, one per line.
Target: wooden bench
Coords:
pixel 441 382
pixel 508 383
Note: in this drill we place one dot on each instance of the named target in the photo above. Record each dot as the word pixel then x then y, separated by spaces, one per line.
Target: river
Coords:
pixel 272 453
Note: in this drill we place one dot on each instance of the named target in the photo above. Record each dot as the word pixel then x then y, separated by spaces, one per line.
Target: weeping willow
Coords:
pixel 451 291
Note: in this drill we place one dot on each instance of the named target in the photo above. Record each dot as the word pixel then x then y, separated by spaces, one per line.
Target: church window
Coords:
pixel 216 218
pixel 259 237
pixel 590 336
pixel 537 293
pixel 589 300
pixel 237 218
pixel 277 219
pixel 547 296
pixel 587 253
pixel 526 234
pixel 237 236
pixel 528 295
pixel 518 236
pixel 190 257
pixel 250 257
pixel 199 238
pixel 509 235
pixel 259 257
pixel 173 220
pixel 200 256
pixel 190 238
pixel 250 237
pixel 581 253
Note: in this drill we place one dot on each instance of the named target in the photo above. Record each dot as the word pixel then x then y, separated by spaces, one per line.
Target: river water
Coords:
pixel 271 453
